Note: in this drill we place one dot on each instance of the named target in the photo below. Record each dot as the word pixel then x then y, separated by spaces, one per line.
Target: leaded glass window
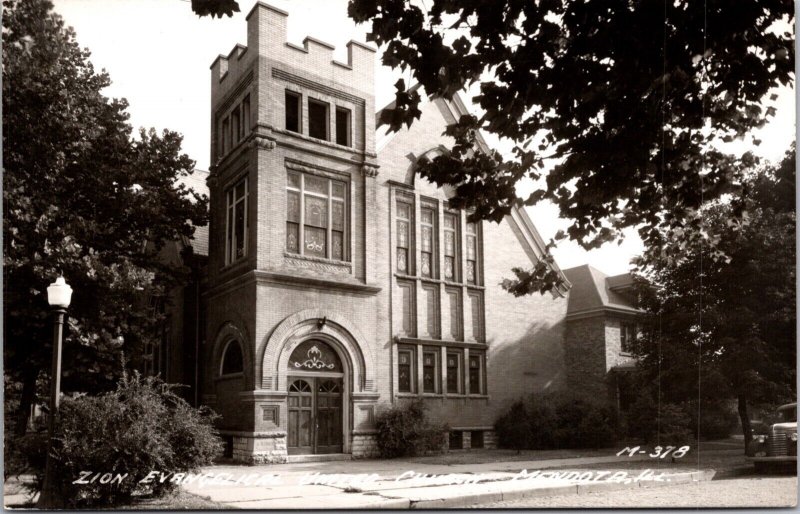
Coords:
pixel 427 242
pixel 405 370
pixel 450 247
pixel 316 216
pixel 454 372
pixel 430 371
pixel 475 374
pixel 403 237
pixel 472 253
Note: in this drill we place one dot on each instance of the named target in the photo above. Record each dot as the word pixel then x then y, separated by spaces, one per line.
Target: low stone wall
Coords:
pixel 260 447
pixel 365 444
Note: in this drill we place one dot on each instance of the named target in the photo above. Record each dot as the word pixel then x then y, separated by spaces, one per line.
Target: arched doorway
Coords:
pixel 315 388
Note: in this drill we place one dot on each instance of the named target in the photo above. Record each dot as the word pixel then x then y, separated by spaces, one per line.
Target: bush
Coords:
pixel 404 430
pixel 141 427
pixel 717 420
pixel 667 424
pixel 549 422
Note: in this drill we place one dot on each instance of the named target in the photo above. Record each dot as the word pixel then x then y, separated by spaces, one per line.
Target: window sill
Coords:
pixel 324 142
pixel 626 354
pixel 322 260
pixel 404 276
pixel 238 263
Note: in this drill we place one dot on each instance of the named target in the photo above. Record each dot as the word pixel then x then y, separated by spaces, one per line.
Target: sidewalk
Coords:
pixel 409 483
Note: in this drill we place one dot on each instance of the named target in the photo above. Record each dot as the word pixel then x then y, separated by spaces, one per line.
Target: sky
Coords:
pixel 158 54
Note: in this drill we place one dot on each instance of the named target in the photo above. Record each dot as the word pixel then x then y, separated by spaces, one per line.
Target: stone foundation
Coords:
pixel 490 440
pixel 365 445
pixel 259 447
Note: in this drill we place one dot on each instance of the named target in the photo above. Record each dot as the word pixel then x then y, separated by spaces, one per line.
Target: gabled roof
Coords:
pixel 520 216
pixel 594 293
pixel 197 182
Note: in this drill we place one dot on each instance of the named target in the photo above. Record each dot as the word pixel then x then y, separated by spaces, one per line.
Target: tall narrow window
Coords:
pixel 236 226
pixel 430 371
pixel 427 239
pixel 472 253
pixel 342 126
pixel 317 119
pixel 236 127
pixel 450 247
pixel 406 369
pixel 292 111
pixel 225 139
pixel 246 116
pixel 316 217
pixel 403 237
pixel 476 374
pixel 454 372
pixel 626 336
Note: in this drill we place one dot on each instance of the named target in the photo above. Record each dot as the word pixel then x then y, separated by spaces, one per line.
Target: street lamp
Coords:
pixel 59 295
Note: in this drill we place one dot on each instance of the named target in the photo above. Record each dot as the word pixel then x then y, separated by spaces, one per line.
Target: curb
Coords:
pixel 532 492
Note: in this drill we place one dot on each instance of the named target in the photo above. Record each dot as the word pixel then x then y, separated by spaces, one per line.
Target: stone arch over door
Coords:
pixel 356 355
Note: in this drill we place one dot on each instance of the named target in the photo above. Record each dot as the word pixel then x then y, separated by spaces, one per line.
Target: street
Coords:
pixel 751 491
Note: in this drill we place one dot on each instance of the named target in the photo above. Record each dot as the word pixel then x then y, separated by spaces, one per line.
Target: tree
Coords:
pixel 625 100
pixel 83 198
pixel 725 328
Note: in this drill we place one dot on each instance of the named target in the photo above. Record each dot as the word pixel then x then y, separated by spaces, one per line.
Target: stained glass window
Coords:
pixel 429 371
pixel 453 372
pixel 427 227
pixel 316 216
pixel 403 236
pixel 405 367
pixel 472 253
pixel 475 374
pixel 450 246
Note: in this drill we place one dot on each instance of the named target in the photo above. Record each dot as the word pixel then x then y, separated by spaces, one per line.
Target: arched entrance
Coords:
pixel 315 400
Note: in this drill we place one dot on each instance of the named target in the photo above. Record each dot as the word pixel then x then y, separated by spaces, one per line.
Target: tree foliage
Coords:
pixel 725 328
pixel 624 99
pixel 83 198
pixel 215 8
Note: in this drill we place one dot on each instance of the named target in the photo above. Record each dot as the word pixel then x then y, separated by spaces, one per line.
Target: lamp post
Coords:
pixel 59 295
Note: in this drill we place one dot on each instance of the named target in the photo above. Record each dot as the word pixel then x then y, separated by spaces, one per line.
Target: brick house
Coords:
pixel 333 281
pixel 601 324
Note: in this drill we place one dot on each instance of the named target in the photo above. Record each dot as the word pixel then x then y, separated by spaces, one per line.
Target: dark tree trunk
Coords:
pixel 744 417
pixel 26 400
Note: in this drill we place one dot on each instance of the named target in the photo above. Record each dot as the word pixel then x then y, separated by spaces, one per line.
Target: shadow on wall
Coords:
pixel 531 364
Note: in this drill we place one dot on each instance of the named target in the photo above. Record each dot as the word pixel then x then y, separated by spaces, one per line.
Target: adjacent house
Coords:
pixel 333 280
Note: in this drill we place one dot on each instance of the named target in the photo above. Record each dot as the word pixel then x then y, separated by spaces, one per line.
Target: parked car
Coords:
pixel 778 446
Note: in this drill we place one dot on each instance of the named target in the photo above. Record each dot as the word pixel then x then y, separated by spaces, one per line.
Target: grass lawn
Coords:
pixel 178 500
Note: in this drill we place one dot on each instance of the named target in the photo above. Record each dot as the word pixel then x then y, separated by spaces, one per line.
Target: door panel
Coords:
pixel 315 415
pixel 300 436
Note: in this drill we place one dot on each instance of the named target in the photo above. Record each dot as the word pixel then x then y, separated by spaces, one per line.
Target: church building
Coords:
pixel 333 281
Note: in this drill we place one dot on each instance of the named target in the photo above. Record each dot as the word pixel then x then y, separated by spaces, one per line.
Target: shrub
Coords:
pixel 404 430
pixel 717 420
pixel 513 428
pixel 547 422
pixel 141 427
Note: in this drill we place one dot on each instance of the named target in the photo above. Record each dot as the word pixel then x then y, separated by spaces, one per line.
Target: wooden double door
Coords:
pixel 315 415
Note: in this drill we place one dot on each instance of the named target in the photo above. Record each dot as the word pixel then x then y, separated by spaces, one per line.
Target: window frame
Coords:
pixel 224 356
pixel 231 202
pixel 625 338
pixel 301 223
pixel 245 115
pixel 434 254
pixel 298 111
pixel 436 353
pixel 456 245
pixel 459 354
pixel 476 262
pixel 409 248
pixel 327 124
pixel 348 128
pixel 481 358
pixel 411 350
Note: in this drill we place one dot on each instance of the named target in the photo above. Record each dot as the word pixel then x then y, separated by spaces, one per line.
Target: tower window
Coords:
pixel 292 111
pixel 342 126
pixel 317 119
pixel 236 223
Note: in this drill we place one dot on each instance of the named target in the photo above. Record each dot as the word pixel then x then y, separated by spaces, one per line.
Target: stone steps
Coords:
pixel 320 457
